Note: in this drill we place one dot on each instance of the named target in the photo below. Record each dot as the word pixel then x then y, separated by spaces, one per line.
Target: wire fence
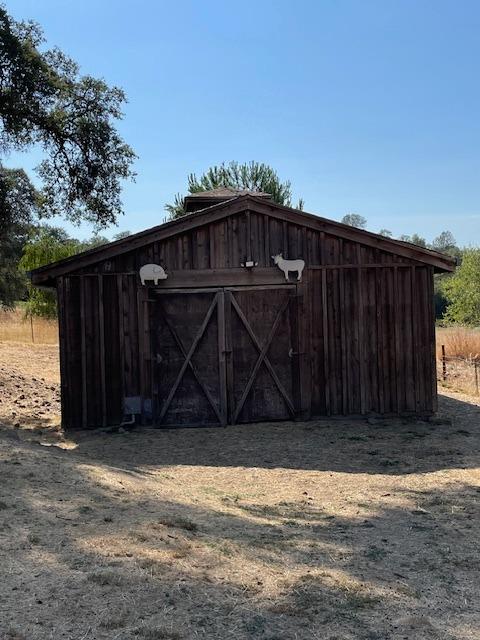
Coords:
pixel 460 372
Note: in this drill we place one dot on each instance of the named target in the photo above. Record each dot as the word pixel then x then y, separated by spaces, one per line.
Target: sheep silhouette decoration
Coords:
pixel 289 265
pixel 152 272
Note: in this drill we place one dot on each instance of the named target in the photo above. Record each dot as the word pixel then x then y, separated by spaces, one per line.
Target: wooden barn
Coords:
pixel 193 323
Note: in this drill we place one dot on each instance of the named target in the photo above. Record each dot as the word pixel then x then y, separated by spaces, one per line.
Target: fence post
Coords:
pixel 444 364
pixel 475 364
pixel 31 327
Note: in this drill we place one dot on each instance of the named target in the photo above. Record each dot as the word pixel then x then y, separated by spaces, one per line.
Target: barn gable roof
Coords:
pixel 47 274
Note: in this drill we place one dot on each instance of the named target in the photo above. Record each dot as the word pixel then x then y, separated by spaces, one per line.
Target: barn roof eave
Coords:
pixel 47 274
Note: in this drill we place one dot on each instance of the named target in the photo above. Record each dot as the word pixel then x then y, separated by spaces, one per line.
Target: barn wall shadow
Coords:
pixel 391 446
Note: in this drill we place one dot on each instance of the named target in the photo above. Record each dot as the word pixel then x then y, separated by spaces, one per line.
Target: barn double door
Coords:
pixel 224 356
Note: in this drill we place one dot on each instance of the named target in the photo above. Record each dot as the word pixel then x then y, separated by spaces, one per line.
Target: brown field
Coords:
pixel 459 342
pixel 325 530
pixel 462 349
pixel 14 327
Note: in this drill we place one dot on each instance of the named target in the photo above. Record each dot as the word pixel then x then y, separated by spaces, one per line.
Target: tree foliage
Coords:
pixel 463 290
pixel 385 232
pixel 18 205
pixel 45 102
pixel 354 220
pixel 444 242
pixel 254 176
pixel 414 239
pixel 48 244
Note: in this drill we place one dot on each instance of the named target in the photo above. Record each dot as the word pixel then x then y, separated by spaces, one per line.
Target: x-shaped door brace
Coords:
pixel 262 357
pixel 188 362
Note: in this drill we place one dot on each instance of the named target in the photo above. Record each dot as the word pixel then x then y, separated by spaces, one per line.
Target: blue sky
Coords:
pixel 371 107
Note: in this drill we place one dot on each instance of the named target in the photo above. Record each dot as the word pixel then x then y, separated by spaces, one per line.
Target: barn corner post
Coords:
pixel 62 335
pixel 433 349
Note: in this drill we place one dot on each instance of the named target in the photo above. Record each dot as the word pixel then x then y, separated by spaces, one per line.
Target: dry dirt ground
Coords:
pixel 329 530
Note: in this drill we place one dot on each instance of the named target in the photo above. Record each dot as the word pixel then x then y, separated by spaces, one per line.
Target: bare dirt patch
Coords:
pixel 328 530
pixel 29 386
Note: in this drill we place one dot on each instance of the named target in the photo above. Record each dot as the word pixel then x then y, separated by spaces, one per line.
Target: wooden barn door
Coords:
pixel 224 355
pixel 188 357
pixel 262 345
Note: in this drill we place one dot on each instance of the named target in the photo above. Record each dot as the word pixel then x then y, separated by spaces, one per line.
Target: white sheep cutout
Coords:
pixel 152 272
pixel 289 265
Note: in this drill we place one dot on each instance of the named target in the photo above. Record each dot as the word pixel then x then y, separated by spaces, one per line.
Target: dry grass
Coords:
pixel 288 531
pixel 462 349
pixel 460 342
pixel 14 327
pixel 460 375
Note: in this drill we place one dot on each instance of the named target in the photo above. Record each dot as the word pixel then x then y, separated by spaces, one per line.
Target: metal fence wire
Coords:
pixel 458 371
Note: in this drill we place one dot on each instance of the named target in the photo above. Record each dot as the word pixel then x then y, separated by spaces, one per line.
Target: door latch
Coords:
pixel 292 353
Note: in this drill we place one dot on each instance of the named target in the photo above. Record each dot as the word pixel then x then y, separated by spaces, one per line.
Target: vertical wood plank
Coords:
pixel 303 312
pixel 142 359
pixel 211 230
pixel 84 353
pixel 415 340
pixel 121 333
pixel 249 235
pixel 361 335
pixel 398 372
pixel 381 341
pixel 322 257
pixel 229 352
pixel 343 341
pixel 293 311
pixel 101 322
pixel 433 359
pixel 266 231
pixel 325 342
pixel 222 371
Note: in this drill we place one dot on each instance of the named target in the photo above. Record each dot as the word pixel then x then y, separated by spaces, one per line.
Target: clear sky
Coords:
pixel 370 107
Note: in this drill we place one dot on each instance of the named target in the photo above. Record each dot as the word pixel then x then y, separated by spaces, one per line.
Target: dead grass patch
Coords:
pixel 297 531
pixel 460 342
pixel 14 327
pixel 157 633
pixel 116 620
pixel 106 577
pixel 12 634
pixel 179 523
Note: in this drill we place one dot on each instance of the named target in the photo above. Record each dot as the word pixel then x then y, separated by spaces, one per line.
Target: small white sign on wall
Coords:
pixel 152 272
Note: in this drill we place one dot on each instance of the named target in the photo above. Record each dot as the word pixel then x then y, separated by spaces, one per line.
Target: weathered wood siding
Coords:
pixel 365 319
